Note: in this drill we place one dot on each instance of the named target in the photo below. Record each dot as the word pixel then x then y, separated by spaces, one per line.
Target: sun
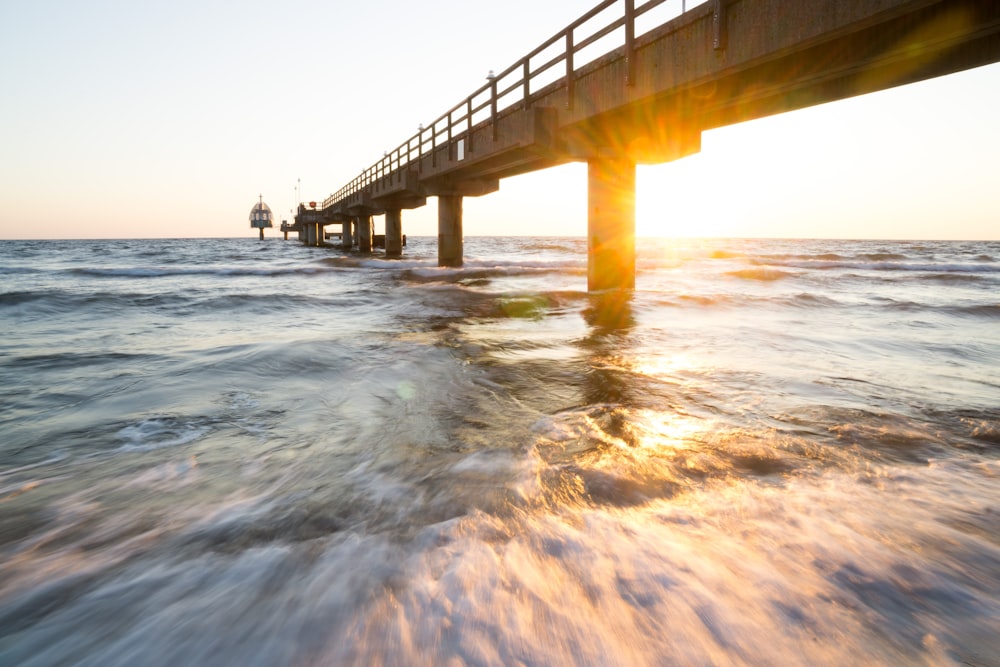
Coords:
pixel 673 201
pixel 676 199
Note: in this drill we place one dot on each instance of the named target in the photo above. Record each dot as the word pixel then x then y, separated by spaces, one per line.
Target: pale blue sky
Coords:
pixel 125 119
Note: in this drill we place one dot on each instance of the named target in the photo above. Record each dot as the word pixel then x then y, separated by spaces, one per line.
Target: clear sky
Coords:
pixel 142 119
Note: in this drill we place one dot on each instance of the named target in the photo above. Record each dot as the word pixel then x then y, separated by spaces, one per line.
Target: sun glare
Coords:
pixel 678 200
pixel 663 366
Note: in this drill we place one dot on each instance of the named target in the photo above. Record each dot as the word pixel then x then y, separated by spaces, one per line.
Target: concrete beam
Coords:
pixel 473 187
pixel 401 201
pixel 402 184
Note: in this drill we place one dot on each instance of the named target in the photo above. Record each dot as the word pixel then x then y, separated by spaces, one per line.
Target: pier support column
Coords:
pixel 393 232
pixel 365 234
pixel 346 235
pixel 610 224
pixel 450 230
pixel 318 235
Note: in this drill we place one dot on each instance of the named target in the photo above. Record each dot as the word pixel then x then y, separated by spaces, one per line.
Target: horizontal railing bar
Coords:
pixel 652 4
pixel 604 32
pixel 542 69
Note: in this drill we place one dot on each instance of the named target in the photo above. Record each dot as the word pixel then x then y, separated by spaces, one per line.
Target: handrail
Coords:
pixel 461 127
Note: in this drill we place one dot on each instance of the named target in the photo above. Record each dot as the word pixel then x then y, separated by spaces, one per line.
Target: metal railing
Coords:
pixel 513 87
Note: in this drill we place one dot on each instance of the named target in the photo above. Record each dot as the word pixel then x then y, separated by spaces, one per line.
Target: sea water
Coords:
pixel 234 452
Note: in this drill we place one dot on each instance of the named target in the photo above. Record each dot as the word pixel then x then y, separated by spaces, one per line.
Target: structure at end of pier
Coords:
pixel 260 216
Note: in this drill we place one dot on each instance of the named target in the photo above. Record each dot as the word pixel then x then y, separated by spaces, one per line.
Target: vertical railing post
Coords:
pixel 434 144
pixel 570 77
pixel 719 25
pixel 450 148
pixel 629 42
pixel 527 82
pixel 493 104
pixel 420 150
pixel 468 117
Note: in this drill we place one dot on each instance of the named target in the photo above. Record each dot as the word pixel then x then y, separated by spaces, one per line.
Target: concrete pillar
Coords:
pixel 365 234
pixel 393 232
pixel 318 235
pixel 610 224
pixel 310 230
pixel 347 241
pixel 261 233
pixel 450 230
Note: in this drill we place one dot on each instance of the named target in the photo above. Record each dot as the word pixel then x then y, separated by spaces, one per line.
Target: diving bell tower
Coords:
pixel 260 217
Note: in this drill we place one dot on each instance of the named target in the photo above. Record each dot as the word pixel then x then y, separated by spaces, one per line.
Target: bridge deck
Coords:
pixel 722 62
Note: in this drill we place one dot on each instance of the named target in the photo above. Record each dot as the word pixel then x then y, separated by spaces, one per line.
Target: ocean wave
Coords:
pixel 470 264
pixel 703 299
pixel 801 300
pixel 17 298
pixel 39 305
pixel 75 360
pixel 388 264
pixel 224 271
pixel 987 310
pixel 160 432
pixel 272 303
pixel 902 267
pixel 951 277
pixel 803 257
pixel 985 430
pixel 19 270
pixel 977 428
pixel 883 257
pixel 485 272
pixel 943 268
pixel 812 300
pixel 760 273
pixel 526 264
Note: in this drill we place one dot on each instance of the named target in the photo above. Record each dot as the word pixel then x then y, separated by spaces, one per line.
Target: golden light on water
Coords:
pixel 663 366
pixel 666 430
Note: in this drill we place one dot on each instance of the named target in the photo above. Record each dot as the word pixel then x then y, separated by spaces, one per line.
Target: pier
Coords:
pixel 646 99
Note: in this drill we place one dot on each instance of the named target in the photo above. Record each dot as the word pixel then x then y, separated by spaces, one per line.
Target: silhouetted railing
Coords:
pixel 561 57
